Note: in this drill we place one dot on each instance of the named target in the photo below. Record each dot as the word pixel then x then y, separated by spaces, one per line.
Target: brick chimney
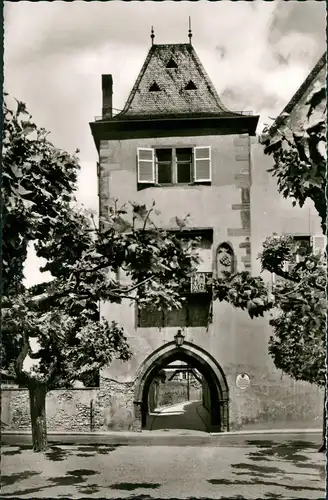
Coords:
pixel 107 96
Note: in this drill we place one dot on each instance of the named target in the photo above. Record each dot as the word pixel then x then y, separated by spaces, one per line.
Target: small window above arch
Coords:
pixel 171 63
pixel 154 87
pixel 190 86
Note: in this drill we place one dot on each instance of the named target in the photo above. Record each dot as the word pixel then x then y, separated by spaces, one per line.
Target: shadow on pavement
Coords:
pixel 17 450
pixel 72 478
pixel 255 482
pixel 82 472
pixel 57 454
pixel 289 450
pixel 264 469
pixel 18 476
pixel 11 453
pixel 27 491
pixel 96 448
pixel 89 489
pixel 134 486
pixel 62 451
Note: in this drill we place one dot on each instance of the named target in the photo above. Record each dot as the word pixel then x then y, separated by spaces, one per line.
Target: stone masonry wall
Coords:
pixel 273 402
pixel 67 410
pixel 263 405
pixel 115 410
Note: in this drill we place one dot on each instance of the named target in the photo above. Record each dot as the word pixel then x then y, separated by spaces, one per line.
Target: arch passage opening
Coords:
pixel 182 388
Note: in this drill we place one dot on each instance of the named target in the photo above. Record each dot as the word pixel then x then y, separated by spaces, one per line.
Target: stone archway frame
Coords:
pixel 156 360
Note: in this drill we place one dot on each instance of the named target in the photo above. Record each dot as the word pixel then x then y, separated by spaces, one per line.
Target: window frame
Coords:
pixel 192 299
pixel 204 298
pixel 157 163
pixel 286 266
pixel 174 166
pixel 191 167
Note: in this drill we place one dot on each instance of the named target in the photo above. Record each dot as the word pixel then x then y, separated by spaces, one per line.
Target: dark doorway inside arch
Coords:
pixel 207 412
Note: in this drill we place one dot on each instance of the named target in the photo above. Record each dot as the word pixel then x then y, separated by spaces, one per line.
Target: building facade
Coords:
pixel 177 145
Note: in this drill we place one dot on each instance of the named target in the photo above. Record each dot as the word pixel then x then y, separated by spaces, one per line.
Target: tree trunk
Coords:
pixel 323 446
pixel 38 394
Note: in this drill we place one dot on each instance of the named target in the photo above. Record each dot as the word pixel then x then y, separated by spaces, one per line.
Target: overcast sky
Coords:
pixel 257 55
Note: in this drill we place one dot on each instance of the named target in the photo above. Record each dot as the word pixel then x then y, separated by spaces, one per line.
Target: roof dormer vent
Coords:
pixel 154 87
pixel 171 63
pixel 190 86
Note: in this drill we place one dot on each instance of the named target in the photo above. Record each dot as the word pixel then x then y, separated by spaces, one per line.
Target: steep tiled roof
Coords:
pixel 173 82
pixel 306 84
pixel 271 131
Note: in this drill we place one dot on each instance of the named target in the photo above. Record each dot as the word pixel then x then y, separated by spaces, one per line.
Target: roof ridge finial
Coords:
pixel 152 35
pixel 189 32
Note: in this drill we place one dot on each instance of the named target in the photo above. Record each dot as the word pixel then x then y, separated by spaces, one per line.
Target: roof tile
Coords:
pixel 173 98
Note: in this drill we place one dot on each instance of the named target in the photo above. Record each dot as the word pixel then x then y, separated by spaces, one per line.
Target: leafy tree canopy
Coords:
pixel 297 305
pixel 62 315
pixel 298 148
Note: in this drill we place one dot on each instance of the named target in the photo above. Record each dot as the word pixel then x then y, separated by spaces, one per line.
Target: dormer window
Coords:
pixel 171 63
pixel 190 86
pixel 154 87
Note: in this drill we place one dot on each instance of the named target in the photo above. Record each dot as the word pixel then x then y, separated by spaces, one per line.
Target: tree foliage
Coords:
pixel 37 181
pixel 298 149
pixel 296 303
pixel 52 333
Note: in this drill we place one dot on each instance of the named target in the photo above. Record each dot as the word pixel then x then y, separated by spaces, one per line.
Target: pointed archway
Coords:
pixel 203 362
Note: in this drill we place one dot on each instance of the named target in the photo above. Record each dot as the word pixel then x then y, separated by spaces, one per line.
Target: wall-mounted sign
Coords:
pixel 242 381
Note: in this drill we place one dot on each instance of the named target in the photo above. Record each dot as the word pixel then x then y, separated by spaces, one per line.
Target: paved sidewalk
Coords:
pixel 165 437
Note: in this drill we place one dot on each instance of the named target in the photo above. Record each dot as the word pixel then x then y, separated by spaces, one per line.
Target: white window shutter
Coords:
pixel 146 165
pixel 202 164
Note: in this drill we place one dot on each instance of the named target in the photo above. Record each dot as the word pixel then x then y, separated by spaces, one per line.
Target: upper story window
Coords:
pixel 196 309
pixel 167 166
pixel 318 244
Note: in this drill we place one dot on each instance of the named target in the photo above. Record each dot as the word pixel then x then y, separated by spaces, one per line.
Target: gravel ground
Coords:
pixel 260 469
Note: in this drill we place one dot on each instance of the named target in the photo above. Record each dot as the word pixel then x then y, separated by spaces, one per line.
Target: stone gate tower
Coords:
pixel 175 143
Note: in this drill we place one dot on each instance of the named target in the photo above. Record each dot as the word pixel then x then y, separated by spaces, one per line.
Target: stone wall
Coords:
pixel 115 409
pixel 67 410
pixel 173 392
pixel 272 403
pixel 265 404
